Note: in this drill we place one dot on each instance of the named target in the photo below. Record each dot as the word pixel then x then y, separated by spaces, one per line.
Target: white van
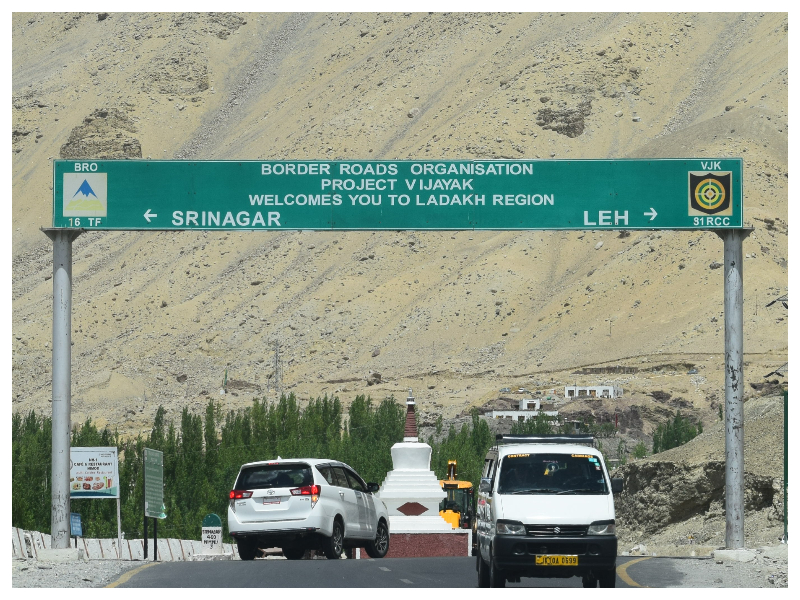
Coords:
pixel 546 509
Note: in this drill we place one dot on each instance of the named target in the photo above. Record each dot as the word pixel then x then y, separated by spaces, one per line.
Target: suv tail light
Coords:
pixel 239 494
pixel 308 490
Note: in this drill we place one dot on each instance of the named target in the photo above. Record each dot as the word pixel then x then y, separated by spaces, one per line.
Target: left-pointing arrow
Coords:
pixel 148 215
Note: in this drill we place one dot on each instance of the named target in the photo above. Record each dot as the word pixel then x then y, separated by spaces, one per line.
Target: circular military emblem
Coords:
pixel 709 194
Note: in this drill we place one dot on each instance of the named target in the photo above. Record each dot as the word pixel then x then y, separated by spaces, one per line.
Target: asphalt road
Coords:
pixel 385 573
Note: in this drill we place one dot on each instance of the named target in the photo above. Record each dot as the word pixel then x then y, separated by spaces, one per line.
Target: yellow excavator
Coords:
pixel 457 507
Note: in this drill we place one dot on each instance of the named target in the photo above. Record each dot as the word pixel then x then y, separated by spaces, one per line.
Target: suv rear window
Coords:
pixel 551 473
pixel 274 476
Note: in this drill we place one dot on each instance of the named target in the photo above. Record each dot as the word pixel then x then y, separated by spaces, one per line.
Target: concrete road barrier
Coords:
pixel 35 544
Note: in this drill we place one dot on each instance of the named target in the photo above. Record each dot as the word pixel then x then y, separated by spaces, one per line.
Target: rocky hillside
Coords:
pixel 673 502
pixel 161 318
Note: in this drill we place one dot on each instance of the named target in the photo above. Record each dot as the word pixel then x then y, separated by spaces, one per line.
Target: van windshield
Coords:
pixel 552 473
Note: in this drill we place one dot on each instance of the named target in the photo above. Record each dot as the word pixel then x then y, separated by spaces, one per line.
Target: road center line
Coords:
pixel 406 581
pixel 384 569
pixel 622 572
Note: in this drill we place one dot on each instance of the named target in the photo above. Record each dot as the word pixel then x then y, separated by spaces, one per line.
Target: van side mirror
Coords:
pixel 485 486
pixel 617 484
pixel 373 487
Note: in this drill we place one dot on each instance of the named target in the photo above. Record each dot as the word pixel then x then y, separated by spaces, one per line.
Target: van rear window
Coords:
pixel 274 476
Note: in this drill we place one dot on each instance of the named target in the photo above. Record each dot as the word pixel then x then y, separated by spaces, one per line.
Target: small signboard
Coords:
pixel 212 534
pixel 93 473
pixel 75 528
pixel 154 484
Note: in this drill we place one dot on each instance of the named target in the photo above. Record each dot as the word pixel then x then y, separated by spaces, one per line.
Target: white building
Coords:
pixel 528 409
pixel 593 391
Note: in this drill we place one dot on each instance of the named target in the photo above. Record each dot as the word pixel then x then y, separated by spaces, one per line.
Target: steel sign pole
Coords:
pixel 734 388
pixel 119 530
pixel 62 385
pixel 144 498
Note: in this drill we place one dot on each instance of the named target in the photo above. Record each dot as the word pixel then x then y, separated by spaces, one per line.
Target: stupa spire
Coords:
pixel 410 433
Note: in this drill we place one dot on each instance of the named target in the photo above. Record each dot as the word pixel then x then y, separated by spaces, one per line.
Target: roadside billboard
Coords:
pixel 93 473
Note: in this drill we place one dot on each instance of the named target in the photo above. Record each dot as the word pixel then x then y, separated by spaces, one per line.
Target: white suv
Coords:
pixel 306 503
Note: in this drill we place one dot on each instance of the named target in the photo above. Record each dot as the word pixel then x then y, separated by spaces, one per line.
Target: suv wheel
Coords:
pixel 332 546
pixel 293 553
pixel 378 547
pixel 247 549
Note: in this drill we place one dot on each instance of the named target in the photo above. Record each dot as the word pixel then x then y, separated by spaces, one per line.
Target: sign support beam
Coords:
pixel 62 384
pixel 734 387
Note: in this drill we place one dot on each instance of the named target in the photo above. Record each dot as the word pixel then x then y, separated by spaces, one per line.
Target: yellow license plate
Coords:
pixel 556 560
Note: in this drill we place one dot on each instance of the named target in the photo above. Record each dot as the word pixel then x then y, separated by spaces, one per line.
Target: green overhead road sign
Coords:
pixel 686 193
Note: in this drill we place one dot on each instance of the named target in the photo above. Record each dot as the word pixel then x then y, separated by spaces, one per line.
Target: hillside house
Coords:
pixel 528 409
pixel 592 391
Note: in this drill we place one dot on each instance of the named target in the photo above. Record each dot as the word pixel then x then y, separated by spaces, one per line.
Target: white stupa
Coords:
pixel 411 491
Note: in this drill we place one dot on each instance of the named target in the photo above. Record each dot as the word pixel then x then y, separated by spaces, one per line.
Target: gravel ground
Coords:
pixel 769 567
pixel 30 573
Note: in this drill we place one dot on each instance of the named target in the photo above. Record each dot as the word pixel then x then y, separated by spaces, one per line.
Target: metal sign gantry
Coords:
pixel 688 193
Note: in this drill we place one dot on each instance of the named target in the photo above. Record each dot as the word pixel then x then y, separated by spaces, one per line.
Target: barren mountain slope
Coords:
pixel 160 317
pixel 673 502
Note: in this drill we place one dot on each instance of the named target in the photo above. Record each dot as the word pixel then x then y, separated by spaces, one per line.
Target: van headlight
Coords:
pixel 510 528
pixel 602 528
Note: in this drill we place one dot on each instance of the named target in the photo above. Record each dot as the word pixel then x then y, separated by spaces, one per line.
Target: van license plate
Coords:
pixel 556 560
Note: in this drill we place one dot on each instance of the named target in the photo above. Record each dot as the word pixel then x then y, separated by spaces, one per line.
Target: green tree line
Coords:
pixel 468 446
pixel 675 432
pixel 202 456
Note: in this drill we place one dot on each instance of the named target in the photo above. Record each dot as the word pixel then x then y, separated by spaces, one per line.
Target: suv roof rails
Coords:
pixel 546 438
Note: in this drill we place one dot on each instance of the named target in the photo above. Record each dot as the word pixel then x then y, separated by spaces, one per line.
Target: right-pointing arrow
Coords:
pixel 652 214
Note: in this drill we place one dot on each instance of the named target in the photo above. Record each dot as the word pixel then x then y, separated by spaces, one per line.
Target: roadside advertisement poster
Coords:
pixel 93 473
